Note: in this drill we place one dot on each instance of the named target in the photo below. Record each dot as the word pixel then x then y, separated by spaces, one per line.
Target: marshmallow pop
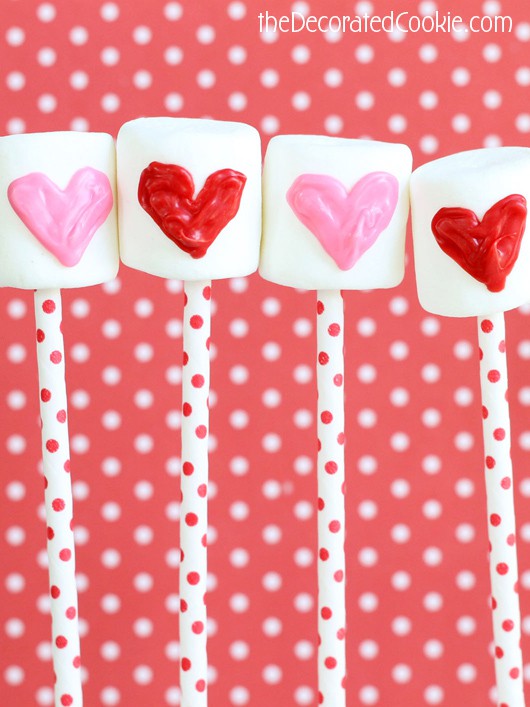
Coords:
pixel 58 229
pixel 190 208
pixel 335 214
pixel 472 255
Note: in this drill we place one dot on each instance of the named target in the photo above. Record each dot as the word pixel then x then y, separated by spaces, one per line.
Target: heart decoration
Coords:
pixel 486 249
pixel 346 223
pixel 166 192
pixel 63 221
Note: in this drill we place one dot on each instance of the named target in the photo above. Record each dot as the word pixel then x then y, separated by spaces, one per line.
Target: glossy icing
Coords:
pixel 486 249
pixel 166 192
pixel 346 223
pixel 63 221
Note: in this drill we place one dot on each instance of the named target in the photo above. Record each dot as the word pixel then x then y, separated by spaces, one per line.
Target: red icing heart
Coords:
pixel 486 249
pixel 166 192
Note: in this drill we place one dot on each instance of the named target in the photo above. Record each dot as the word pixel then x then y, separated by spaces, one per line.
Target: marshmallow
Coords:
pixel 335 212
pixel 189 197
pixel 469 218
pixel 58 225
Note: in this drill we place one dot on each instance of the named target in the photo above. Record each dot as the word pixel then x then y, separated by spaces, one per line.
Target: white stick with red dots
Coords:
pixel 194 489
pixel 331 509
pixel 501 514
pixel 58 499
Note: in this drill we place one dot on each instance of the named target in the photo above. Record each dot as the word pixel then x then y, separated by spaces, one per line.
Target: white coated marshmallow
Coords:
pixel 335 212
pixel 467 261
pixel 58 223
pixel 189 197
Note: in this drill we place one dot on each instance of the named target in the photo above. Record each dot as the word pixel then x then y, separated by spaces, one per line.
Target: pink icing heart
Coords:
pixel 346 223
pixel 64 221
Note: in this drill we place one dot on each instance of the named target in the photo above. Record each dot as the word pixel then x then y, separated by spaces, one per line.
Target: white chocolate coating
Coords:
pixel 202 147
pixel 474 180
pixel 24 261
pixel 291 254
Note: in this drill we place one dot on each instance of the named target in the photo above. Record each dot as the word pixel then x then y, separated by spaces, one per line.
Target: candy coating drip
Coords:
pixel 64 221
pixel 166 192
pixel 486 249
pixel 346 223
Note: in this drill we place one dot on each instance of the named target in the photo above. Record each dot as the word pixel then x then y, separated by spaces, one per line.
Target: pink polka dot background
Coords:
pixel 419 625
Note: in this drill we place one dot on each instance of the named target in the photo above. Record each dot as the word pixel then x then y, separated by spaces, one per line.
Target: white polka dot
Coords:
pixel 333 77
pixel 464 488
pixel 400 533
pixel 428 53
pixel 205 34
pixel 400 488
pixel 15 80
pixel 272 674
pixel 206 78
pixel 399 350
pixel 269 78
pixel 428 100
pixel 236 10
pixel 78 35
pixel 16 400
pixel 399 397
pixel 15 36
pixel 15 126
pixel 492 53
pixel 110 102
pixel 464 441
pixel 433 695
pixel 142 35
pixel 303 510
pixel 303 465
pixel 173 55
pixel 465 580
pixel 366 326
pixel 397 77
pixel 401 580
pixel 142 79
pixel 237 55
pixel 401 673
pixel 16 444
pixel 429 144
pixel 47 103
pixel 397 124
pixel 367 373
pixel 368 602
pixel 461 123
pixel 432 556
pixel 364 100
pixel 239 510
pixel 270 124
pixel 239 466
pixel 271 442
pixel 14 675
pixel 367 510
pixel 173 11
pixel 433 649
pixel 522 122
pixel 400 441
pixel 368 649
pixel 364 53
pixel 401 625
pixel 522 76
pixel 239 696
pixel 367 465
pixel 301 100
pixel 433 601
pixel 46 12
pixel 369 695
pixel 111 511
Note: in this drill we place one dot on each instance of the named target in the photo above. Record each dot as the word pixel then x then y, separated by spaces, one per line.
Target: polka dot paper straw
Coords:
pixel 331 514
pixel 501 516
pixel 58 499
pixel 194 487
